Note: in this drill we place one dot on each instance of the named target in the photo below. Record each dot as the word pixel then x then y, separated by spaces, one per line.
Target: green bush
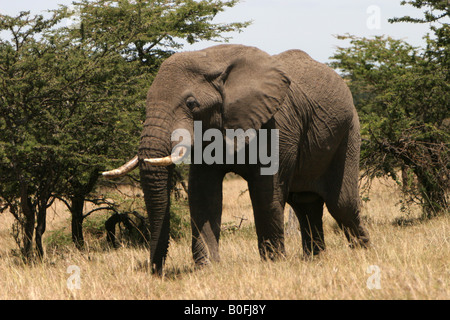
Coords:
pixel 179 219
pixel 58 239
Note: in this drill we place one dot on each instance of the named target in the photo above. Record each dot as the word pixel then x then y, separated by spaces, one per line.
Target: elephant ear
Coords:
pixel 254 88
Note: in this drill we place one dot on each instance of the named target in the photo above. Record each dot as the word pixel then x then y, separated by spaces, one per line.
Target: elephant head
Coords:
pixel 225 87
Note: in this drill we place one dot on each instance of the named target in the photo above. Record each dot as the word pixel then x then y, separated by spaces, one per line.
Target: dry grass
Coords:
pixel 412 259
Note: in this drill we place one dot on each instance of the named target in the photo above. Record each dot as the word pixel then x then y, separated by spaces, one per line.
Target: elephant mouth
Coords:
pixel 176 157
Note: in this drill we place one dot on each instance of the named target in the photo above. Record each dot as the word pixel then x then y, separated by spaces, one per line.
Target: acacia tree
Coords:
pixel 26 167
pixel 73 97
pixel 402 94
pixel 50 126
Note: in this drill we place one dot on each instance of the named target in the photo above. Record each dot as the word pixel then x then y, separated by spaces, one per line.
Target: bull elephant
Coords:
pixel 231 87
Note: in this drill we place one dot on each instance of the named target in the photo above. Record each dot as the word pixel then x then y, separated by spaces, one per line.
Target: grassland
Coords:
pixel 411 259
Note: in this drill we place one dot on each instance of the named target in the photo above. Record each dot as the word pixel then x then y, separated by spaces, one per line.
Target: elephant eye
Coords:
pixel 191 103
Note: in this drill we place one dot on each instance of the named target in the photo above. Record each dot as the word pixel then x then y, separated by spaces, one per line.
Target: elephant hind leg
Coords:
pixel 349 220
pixel 308 207
pixel 342 197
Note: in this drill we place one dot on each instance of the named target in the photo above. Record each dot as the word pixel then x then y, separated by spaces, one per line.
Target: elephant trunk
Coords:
pixel 156 167
pixel 156 187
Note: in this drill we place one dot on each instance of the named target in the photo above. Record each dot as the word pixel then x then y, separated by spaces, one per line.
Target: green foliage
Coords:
pixel 436 9
pixel 58 239
pixel 179 219
pixel 153 29
pixel 402 94
pixel 95 225
pixel 61 239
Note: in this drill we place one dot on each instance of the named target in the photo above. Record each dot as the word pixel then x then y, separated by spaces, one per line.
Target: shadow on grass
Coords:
pixel 408 221
pixel 170 272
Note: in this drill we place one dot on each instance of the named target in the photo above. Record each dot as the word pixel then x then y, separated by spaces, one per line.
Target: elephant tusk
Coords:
pixel 123 170
pixel 167 161
pixel 160 162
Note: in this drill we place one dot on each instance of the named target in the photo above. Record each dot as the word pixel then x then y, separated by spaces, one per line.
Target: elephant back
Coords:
pixel 318 81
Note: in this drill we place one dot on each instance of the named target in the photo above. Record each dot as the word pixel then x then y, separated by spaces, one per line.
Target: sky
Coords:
pixel 279 25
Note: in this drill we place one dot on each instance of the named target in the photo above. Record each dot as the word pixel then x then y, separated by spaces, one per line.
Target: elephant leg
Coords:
pixel 309 210
pixel 205 202
pixel 342 199
pixel 269 218
pixel 348 218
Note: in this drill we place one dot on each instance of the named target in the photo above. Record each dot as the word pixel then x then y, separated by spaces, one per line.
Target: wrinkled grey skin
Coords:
pixel 235 86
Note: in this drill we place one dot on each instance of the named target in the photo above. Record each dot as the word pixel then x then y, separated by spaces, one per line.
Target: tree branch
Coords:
pixel 98 209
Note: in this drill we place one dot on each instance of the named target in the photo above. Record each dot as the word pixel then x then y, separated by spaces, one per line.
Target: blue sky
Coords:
pixel 279 25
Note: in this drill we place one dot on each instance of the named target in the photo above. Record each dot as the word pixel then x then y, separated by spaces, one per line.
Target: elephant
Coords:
pixel 231 87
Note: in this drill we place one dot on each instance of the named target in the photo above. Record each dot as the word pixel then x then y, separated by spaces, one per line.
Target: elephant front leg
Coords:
pixel 269 220
pixel 205 202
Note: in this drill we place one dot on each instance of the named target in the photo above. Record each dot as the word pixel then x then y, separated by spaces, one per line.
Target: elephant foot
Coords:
pixel 270 251
pixel 157 270
pixel 359 243
pixel 203 260
pixel 357 237
pixel 308 257
pixel 202 266
pixel 313 249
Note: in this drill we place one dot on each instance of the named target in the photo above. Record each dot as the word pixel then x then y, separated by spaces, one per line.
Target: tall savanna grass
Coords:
pixel 409 259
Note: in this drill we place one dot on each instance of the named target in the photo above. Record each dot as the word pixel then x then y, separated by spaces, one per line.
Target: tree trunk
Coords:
pixel 40 228
pixel 110 226
pixel 80 191
pixel 433 194
pixel 77 221
pixel 29 221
